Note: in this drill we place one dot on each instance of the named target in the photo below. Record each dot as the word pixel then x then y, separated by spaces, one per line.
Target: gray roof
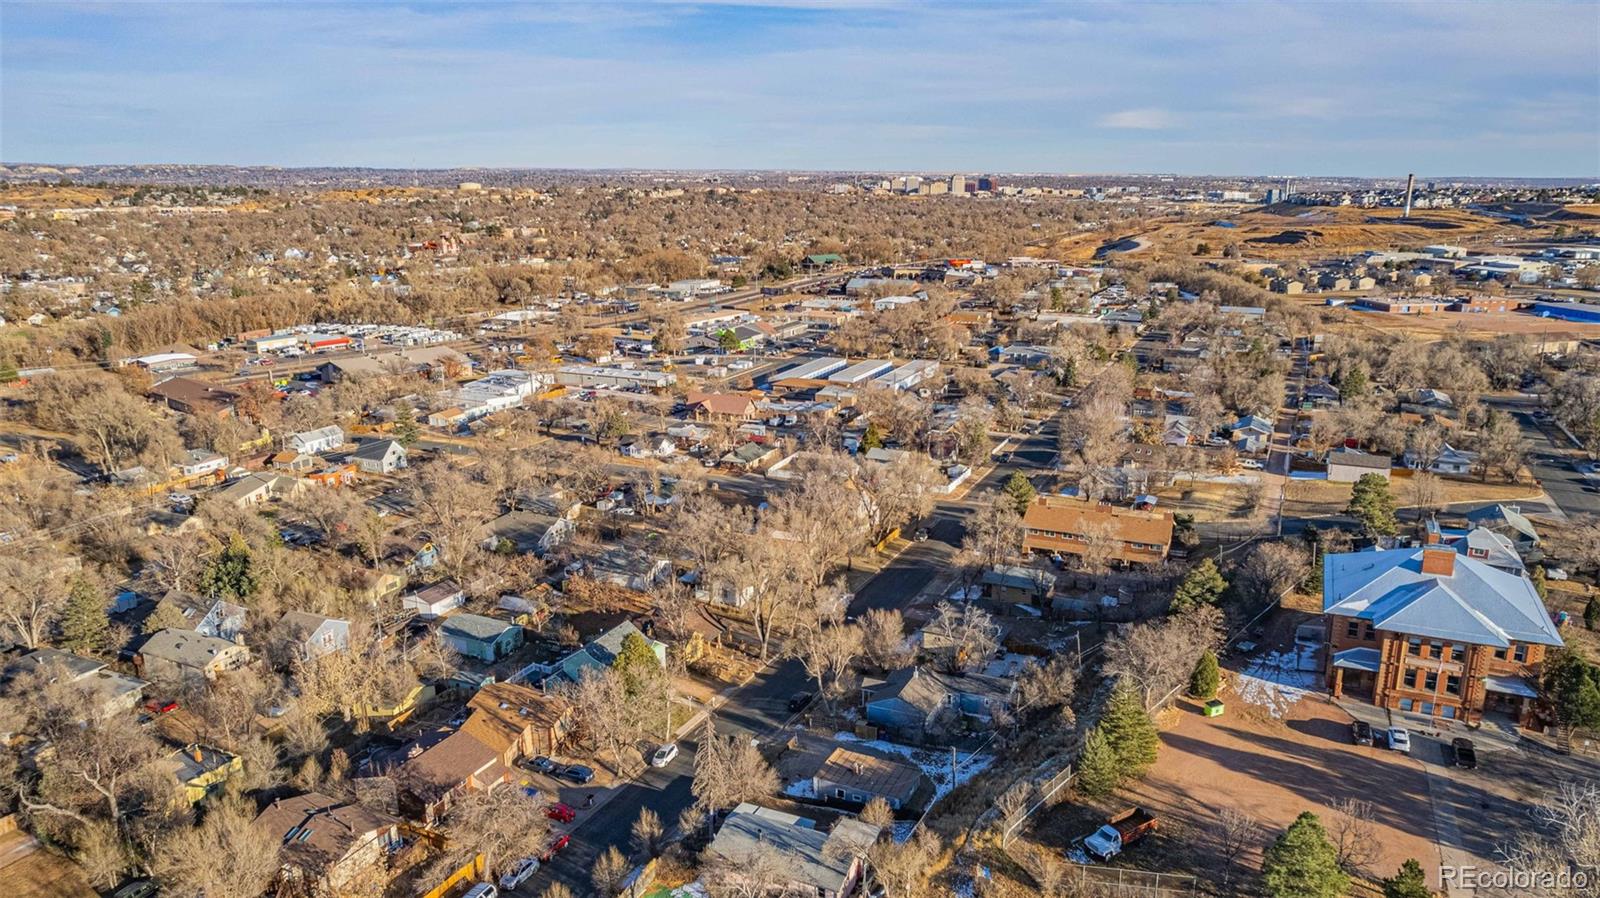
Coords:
pixel 804 854
pixel 475 626
pixel 1491 548
pixel 1475 603
pixel 1353 459
pixel 1510 515
pixel 185 647
pixel 377 450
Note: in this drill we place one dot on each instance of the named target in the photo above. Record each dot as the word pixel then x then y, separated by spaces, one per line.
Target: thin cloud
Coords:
pixel 1140 120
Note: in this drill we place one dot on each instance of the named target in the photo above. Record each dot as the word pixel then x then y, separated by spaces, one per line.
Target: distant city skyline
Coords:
pixel 1329 89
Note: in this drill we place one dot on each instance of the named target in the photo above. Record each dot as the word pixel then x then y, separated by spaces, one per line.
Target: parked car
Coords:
pixel 541 764
pixel 138 888
pixel 1463 753
pixel 561 812
pixel 1555 573
pixel 556 846
pixel 1400 740
pixel 519 873
pixel 664 755
pixel 798 701
pixel 577 773
pixel 1361 733
pixel 482 890
pixel 1250 464
pixel 921 536
pixel 1119 832
pixel 157 706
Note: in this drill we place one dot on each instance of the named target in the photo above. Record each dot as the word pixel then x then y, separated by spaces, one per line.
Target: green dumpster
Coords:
pixel 1214 708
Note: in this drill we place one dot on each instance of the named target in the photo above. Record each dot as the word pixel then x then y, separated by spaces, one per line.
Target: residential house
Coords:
pixel 529 532
pixel 853 777
pixel 435 599
pixel 538 723
pixel 1451 461
pixel 483 638
pixel 200 462
pixel 721 406
pixel 193 396
pixel 602 651
pixel 333 476
pixel 1349 465
pixel 303 636
pixel 1061 525
pixel 326 844
pixel 110 692
pixel 1510 522
pixel 379 456
pixel 1013 583
pixel 658 446
pixel 430 780
pixel 201 770
pixel 173 655
pixel 1434 632
pixel 206 616
pixel 627 566
pixel 808 862
pixel 750 457
pixel 1320 394
pixel 292 462
pixel 1179 431
pixel 254 489
pixel 316 442
pixel 1252 434
pixel 916 701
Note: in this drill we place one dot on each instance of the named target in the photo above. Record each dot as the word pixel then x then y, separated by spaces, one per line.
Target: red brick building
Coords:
pixel 1430 631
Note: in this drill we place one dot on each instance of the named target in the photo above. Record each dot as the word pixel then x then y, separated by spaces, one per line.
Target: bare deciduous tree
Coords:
pixel 883 639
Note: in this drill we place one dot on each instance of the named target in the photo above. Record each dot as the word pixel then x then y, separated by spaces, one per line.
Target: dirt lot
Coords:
pixel 29 871
pixel 1272 769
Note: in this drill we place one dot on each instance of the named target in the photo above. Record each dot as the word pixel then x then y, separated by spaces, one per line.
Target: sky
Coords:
pixel 1311 88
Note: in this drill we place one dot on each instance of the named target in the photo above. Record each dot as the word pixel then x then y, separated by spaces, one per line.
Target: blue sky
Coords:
pixel 1333 87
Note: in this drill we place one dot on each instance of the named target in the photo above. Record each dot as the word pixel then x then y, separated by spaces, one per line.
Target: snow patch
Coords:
pixel 934 763
pixel 1277 680
pixel 800 789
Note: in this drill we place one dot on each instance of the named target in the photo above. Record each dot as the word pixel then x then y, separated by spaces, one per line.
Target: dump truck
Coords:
pixel 1119 832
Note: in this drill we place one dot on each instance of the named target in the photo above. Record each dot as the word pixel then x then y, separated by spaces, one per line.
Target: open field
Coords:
pixel 1479 325
pixel 1306 232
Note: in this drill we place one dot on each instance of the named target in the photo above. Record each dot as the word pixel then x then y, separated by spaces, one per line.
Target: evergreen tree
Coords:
pixel 1302 863
pixel 1570 687
pixel 1206 677
pixel 8 372
pixel 85 626
pixel 1020 492
pixel 1130 731
pixel 1203 585
pixel 405 423
pixel 1591 613
pixel 637 663
pixel 166 616
pixel 1098 768
pixel 1373 506
pixel 229 576
pixel 1410 882
pixel 873 438
pixel 1353 384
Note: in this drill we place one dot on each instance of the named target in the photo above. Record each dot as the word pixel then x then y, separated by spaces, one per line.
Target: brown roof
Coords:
pixel 1073 519
pixel 721 403
pixel 512 708
pixel 448 765
pixel 316 831
pixel 192 392
pixel 869 774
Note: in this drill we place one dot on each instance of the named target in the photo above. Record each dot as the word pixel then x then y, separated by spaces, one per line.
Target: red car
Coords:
pixel 560 813
pixel 156 706
pixel 556 844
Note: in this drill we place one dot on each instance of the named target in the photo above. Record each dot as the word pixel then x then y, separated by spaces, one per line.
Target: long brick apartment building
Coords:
pixel 1434 632
pixel 1065 526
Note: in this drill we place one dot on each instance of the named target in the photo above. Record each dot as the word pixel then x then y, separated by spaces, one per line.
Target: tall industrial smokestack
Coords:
pixel 1411 184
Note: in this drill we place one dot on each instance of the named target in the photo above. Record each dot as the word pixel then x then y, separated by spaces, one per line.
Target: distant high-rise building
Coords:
pixel 986 184
pixel 958 184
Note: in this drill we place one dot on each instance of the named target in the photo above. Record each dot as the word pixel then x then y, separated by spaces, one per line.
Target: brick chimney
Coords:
pixel 1439 562
pixel 1432 535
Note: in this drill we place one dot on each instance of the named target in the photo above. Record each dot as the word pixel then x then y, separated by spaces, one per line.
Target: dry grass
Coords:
pixel 40 874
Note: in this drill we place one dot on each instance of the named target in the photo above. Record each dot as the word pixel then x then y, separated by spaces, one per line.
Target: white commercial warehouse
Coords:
pixel 909 375
pixel 816 368
pixel 860 371
pixel 602 376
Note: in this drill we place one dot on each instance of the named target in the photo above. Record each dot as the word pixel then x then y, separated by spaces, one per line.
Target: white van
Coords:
pixel 482 890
